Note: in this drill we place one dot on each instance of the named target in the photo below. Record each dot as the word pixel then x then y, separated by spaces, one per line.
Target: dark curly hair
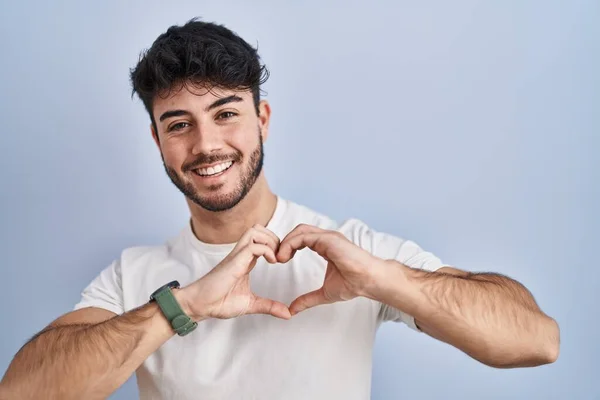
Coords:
pixel 201 54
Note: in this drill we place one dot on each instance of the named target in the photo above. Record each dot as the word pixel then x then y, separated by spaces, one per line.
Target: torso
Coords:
pixel 321 353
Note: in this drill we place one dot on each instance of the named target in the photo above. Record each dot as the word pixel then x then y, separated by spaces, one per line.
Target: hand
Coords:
pixel 225 291
pixel 348 266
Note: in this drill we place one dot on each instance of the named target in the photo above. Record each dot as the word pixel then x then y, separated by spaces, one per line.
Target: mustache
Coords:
pixel 211 159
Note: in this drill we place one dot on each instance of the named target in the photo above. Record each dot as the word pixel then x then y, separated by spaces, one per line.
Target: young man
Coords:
pixel 253 316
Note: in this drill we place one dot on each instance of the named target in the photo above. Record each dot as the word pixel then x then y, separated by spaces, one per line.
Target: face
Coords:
pixel 211 143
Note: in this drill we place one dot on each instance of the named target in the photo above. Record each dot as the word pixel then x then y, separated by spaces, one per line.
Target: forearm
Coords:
pixel 85 361
pixel 492 318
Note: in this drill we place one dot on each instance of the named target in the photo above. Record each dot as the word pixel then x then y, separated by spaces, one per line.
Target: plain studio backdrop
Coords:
pixel 470 127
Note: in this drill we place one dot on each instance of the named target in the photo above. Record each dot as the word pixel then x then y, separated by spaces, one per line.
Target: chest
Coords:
pixel 320 349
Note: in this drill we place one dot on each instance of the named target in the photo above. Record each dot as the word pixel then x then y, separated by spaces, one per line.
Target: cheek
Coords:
pixel 242 135
pixel 174 155
pixel 246 143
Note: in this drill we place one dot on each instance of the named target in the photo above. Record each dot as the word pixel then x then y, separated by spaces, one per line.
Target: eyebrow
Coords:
pixel 224 101
pixel 218 103
pixel 173 113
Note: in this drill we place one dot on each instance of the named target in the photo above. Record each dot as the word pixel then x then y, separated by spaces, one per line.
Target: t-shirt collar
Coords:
pixel 224 249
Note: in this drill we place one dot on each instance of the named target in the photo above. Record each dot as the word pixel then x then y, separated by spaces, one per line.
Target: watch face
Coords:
pixel 172 285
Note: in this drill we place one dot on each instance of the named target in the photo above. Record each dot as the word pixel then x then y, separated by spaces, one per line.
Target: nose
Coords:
pixel 206 140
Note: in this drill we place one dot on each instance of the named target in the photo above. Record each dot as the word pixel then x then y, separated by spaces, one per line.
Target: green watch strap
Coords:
pixel 180 322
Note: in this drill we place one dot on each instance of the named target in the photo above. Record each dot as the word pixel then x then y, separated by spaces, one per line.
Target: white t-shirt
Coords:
pixel 322 353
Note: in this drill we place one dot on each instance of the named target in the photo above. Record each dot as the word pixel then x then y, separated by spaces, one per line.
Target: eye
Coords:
pixel 178 126
pixel 226 115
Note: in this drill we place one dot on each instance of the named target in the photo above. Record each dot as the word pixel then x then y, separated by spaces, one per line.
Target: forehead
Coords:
pixel 195 99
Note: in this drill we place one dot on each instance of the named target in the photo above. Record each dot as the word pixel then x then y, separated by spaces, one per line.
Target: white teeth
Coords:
pixel 214 170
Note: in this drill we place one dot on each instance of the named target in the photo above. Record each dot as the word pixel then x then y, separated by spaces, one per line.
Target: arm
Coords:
pixel 89 353
pixel 491 317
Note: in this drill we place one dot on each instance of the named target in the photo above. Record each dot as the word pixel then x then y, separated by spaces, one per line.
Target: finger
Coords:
pixel 266 239
pixel 301 229
pixel 308 300
pixel 271 307
pixel 265 236
pixel 258 234
pixel 244 261
pixel 252 251
pixel 268 232
pixel 315 241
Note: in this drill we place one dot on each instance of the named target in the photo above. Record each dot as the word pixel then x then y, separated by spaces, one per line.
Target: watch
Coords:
pixel 181 323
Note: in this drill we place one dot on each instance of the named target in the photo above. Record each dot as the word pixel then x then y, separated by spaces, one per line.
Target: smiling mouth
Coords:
pixel 214 170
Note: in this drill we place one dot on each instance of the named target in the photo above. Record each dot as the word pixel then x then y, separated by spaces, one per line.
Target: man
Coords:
pixel 244 257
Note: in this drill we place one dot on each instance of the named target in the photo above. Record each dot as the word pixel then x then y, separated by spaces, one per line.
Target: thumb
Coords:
pixel 268 306
pixel 308 300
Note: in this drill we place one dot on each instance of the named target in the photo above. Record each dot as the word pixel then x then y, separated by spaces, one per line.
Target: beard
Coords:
pixel 224 201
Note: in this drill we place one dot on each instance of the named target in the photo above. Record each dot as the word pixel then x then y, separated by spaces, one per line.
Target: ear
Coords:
pixel 155 136
pixel 264 117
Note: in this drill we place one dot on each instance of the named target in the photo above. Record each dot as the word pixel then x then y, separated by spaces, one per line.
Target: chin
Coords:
pixel 218 201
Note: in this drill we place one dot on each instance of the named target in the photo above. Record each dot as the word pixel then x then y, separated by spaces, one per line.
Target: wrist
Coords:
pixel 184 298
pixel 401 287
pixel 387 277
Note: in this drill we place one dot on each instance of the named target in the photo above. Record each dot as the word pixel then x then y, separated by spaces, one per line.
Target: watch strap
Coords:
pixel 181 323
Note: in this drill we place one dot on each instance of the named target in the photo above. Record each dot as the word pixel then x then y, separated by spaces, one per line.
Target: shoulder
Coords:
pixel 356 230
pixel 353 228
pixel 296 214
pixel 382 243
pixel 388 246
pixel 142 257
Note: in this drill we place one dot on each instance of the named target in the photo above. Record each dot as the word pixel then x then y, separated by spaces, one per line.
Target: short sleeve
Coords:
pixel 389 247
pixel 105 291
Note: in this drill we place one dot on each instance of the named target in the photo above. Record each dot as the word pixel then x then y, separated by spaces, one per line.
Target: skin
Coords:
pixel 517 333
pixel 226 130
pixel 90 352
pixel 490 317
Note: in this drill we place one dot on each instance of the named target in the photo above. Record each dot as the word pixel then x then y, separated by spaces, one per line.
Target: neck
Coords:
pixel 228 226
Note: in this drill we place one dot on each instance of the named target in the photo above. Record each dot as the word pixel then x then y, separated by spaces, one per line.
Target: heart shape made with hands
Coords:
pixel 348 265
pixel 225 291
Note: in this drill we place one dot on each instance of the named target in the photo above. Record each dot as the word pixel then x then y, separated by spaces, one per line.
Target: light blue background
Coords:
pixel 470 127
